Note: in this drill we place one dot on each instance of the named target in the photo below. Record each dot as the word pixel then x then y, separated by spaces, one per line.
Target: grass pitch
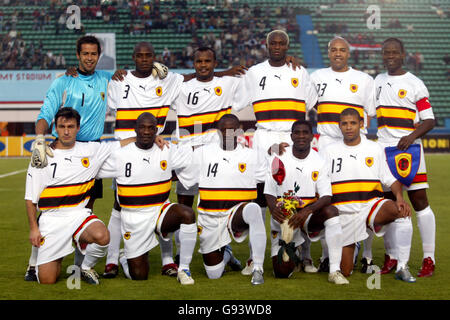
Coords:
pixel 15 250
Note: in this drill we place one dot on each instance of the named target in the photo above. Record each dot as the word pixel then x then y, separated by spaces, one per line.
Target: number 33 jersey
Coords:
pixel 226 178
pixel 357 174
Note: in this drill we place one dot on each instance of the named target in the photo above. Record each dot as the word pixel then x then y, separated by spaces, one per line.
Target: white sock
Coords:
pixel 188 238
pixel 33 256
pixel 126 270
pixel 215 272
pixel 389 241
pixel 427 227
pixel 115 236
pixel 367 243
pixel 257 233
pixel 177 241
pixel 403 237
pixel 166 251
pixel 94 253
pixel 323 242
pixel 333 239
pixel 306 249
pixel 263 215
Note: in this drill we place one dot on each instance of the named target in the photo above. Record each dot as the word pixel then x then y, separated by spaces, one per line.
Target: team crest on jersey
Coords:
pixel 242 166
pixel 369 161
pixel 102 94
pixel 159 91
pixel 315 175
pixel 218 91
pixel 353 88
pixel 85 162
pixel 163 164
pixel 127 235
pixel 42 241
pixel 402 93
pixel 199 230
pixel 294 82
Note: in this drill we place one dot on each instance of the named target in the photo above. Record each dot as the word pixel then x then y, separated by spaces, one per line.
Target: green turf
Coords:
pixel 15 249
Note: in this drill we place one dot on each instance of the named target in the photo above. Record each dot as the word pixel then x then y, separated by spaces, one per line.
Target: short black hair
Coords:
pixel 392 39
pixel 143 43
pixel 89 40
pixel 145 116
pixel 302 122
pixel 203 49
pixel 229 116
pixel 350 112
pixel 68 113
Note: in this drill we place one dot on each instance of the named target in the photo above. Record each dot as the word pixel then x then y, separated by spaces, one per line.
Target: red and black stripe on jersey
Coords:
pixel 213 200
pixel 126 117
pixel 143 195
pixel 68 195
pixel 395 117
pixel 279 110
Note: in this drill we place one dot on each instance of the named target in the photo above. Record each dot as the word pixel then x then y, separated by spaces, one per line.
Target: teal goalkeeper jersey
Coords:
pixel 87 95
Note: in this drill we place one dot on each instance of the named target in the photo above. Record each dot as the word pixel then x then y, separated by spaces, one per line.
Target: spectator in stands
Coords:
pixel 447 74
pixel 60 61
pixel 446 59
pixel 419 61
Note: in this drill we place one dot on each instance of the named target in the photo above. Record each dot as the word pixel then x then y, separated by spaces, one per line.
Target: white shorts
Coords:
pixel 354 225
pixel 139 228
pixel 420 180
pixel 313 236
pixel 192 191
pixel 275 229
pixel 59 230
pixel 264 139
pixel 215 231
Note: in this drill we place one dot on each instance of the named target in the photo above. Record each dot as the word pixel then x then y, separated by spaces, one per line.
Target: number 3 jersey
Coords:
pixel 66 182
pixel 144 177
pixel 200 105
pixel 308 178
pixel 134 96
pixel 225 178
pixel 357 174
pixel 279 95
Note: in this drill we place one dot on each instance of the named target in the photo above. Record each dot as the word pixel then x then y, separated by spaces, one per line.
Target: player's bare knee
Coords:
pixel 101 237
pixel 187 215
pixel 330 212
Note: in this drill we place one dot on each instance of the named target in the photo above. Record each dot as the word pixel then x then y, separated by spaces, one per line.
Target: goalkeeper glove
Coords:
pixel 40 150
pixel 159 70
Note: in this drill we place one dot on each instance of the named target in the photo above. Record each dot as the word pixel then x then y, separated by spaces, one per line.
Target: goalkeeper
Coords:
pixel 301 171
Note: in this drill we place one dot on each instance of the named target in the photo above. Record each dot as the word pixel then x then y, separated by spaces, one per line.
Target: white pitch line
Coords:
pixel 12 173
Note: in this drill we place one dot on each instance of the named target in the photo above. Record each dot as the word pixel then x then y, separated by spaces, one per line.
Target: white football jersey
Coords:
pixel 225 178
pixel 357 174
pixel 337 91
pixel 308 178
pixel 200 105
pixel 134 96
pixel 402 101
pixel 144 177
pixel 65 183
pixel 279 95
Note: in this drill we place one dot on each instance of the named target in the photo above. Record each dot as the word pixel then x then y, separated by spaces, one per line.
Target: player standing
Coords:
pixel 404 116
pixel 280 96
pixel 339 87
